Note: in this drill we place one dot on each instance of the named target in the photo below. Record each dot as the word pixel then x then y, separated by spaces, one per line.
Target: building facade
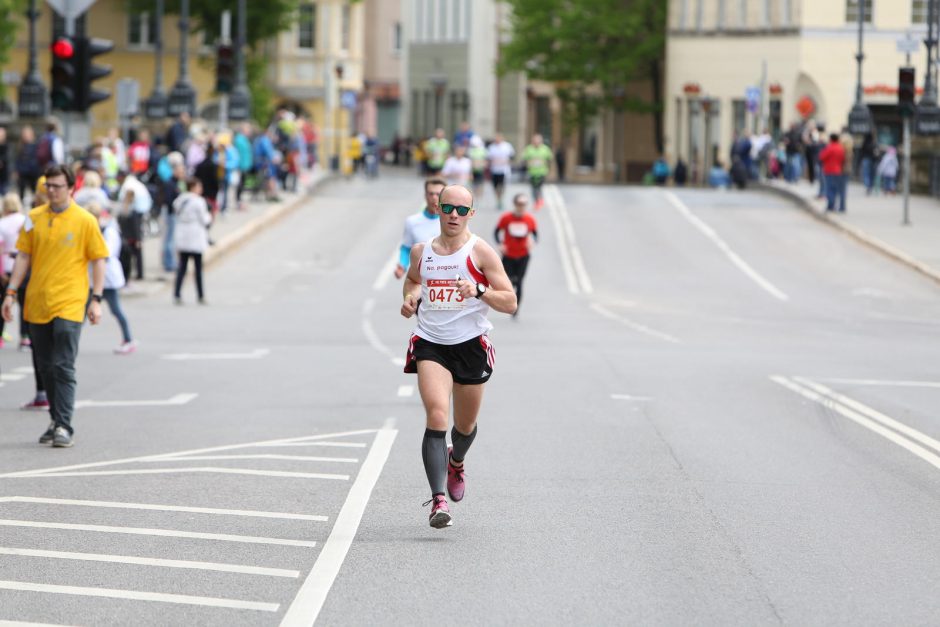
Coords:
pixel 735 65
pixel 380 102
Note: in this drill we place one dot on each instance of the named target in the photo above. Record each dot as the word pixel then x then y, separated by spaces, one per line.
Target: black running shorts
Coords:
pixel 498 179
pixel 479 177
pixel 469 362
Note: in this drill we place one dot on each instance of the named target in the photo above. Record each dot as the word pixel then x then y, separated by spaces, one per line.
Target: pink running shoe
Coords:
pixel 440 514
pixel 455 478
pixel 126 348
pixel 35 405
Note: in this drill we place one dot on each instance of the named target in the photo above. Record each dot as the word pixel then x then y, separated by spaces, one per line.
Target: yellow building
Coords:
pixel 797 55
pixel 303 61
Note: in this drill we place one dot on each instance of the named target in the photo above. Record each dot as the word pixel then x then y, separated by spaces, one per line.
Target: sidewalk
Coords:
pixel 876 221
pixel 228 232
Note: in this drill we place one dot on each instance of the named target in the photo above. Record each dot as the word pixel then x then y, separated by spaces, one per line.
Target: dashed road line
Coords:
pixel 197 469
pixel 169 533
pixel 179 399
pixel 160 597
pixel 298 458
pixel 258 353
pixel 150 561
pixel 162 508
pixel 404 391
pixel 639 328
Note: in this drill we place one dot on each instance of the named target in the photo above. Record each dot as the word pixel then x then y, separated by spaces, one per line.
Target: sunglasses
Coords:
pixel 449 209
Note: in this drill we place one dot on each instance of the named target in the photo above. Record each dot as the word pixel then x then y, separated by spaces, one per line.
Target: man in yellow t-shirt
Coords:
pixel 57 242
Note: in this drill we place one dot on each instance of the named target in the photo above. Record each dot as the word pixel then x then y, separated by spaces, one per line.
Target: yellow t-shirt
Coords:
pixel 60 245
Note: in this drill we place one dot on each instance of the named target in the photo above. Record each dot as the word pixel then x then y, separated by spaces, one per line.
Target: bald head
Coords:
pixel 457 195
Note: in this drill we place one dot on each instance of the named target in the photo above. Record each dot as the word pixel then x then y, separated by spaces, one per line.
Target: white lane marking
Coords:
pixel 12 376
pixel 386 273
pixel 24 370
pixel 875 415
pixel 150 561
pixel 860 419
pixel 230 447
pixel 168 533
pixel 577 261
pixel 337 444
pixel 906 319
pixel 372 336
pixel 258 353
pixel 567 265
pixel 723 246
pixel 404 391
pixel 309 600
pixel 201 469
pixel 628 397
pixel 162 508
pixel 132 595
pixel 886 383
pixel 179 399
pixel 19 623
pixel 871 292
pixel 300 458
pixel 640 328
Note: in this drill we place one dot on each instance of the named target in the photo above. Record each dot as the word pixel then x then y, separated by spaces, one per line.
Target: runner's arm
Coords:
pixel 499 295
pixel 411 288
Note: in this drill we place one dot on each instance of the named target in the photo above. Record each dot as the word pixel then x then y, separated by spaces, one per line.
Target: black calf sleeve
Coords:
pixel 434 455
pixel 461 443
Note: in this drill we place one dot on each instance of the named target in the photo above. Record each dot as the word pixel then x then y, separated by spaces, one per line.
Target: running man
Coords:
pixel 538 158
pixel 421 226
pixel 437 149
pixel 454 280
pixel 500 154
pixel 478 156
pixel 458 168
pixel 516 232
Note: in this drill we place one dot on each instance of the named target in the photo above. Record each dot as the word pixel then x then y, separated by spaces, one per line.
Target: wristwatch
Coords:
pixel 481 290
pixel 96 298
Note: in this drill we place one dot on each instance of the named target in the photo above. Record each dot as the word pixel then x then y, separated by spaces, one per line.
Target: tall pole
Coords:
pixel 223 99
pixel 930 85
pixel 33 97
pixel 860 56
pixel 184 42
pixel 907 170
pixel 183 96
pixel 155 105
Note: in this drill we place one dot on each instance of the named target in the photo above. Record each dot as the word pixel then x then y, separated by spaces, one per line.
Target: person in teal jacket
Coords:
pixel 245 160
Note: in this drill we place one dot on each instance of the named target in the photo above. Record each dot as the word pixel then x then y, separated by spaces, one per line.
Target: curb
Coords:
pixel 854 232
pixel 240 235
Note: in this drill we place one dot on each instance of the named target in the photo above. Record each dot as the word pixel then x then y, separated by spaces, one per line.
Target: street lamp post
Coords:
pixel 927 113
pixel 860 116
pixel 183 96
pixel 155 106
pixel 33 97
pixel 240 98
pixel 439 83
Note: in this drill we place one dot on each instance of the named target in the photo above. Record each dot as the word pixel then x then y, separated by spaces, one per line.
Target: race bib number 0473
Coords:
pixel 443 294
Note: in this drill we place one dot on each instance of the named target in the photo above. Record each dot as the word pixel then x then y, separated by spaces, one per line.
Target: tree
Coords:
pixel 10 12
pixel 593 51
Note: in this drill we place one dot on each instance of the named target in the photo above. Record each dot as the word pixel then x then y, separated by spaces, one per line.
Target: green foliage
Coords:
pixel 592 50
pixel 262 98
pixel 11 12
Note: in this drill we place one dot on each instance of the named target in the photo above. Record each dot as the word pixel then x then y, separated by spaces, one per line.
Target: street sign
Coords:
pixel 182 98
pixel 908 45
pixel 128 97
pixel 11 77
pixel 860 120
pixel 155 107
pixel 927 120
pixel 239 105
pixel 70 8
pixel 348 99
pixel 33 100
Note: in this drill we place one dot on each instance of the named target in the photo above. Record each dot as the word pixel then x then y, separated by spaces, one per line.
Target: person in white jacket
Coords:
pixel 113 275
pixel 888 171
pixel 191 235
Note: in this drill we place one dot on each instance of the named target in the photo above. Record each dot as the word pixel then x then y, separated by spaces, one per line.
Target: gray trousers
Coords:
pixel 55 346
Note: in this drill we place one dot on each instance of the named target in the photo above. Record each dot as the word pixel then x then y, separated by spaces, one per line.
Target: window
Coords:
pixel 683 13
pixel 307 26
pixel 721 15
pixel 739 115
pixel 851 10
pixel 919 11
pixel 456 10
pixel 141 29
pixel 396 37
pixel 344 28
pixel 699 14
pixel 442 15
pixel 742 13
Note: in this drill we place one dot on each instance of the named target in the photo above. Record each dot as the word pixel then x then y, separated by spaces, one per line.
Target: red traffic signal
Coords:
pixel 63 48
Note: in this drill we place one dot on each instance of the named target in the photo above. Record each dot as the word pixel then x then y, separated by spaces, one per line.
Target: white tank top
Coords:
pixel 444 316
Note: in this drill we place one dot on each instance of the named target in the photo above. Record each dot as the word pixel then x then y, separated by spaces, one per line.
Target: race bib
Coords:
pixel 443 295
pixel 518 229
pixel 535 164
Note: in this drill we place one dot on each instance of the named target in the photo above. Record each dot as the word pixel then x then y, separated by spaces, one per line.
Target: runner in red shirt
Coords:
pixel 516 231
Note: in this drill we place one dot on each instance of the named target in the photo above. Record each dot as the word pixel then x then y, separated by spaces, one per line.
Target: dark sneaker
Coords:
pixel 440 514
pixel 61 438
pixel 49 435
pixel 455 478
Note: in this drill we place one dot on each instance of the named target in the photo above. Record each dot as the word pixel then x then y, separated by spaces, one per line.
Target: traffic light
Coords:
pixel 224 68
pixel 65 83
pixel 906 90
pixel 87 50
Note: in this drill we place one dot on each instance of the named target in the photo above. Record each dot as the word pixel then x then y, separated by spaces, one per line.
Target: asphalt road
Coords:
pixel 712 409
